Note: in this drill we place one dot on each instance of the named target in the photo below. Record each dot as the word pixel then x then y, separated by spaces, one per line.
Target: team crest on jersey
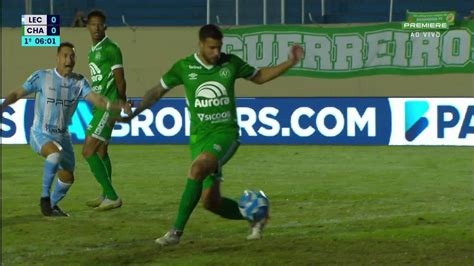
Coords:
pixel 98 56
pixel 211 94
pixel 224 72
pixel 97 89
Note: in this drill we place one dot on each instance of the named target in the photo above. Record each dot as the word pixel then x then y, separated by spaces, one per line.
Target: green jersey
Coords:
pixel 209 90
pixel 104 57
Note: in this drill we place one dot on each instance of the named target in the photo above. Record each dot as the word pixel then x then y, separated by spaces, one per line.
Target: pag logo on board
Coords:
pixel 432 121
pixel 415 121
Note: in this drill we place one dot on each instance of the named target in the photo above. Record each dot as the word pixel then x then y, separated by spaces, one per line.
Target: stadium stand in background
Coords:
pixel 250 12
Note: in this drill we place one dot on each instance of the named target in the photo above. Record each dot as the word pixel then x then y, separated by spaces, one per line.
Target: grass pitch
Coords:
pixel 330 205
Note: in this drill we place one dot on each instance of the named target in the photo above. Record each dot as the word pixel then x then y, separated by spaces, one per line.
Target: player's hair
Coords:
pixel 65 44
pixel 210 31
pixel 97 13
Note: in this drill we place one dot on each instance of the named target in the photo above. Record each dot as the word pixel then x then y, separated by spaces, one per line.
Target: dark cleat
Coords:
pixel 45 204
pixel 58 212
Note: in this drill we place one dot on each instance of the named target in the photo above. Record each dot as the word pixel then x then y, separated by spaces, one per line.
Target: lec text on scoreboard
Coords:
pixel 40 30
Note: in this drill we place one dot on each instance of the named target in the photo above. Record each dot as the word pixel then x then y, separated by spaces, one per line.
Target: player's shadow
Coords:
pixel 37 218
pixel 145 251
pixel 22 219
pixel 138 251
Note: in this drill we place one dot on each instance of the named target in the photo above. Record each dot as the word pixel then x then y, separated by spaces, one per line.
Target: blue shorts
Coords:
pixel 63 142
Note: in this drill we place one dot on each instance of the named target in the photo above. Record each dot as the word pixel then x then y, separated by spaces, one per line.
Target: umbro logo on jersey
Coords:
pixel 192 76
pixel 51 88
pixel 194 67
pixel 217 147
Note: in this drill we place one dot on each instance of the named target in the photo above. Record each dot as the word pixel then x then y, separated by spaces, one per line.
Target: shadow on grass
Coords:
pixel 136 251
pixel 24 219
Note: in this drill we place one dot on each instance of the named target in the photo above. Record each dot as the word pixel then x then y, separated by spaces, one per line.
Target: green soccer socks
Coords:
pixel 189 200
pixel 99 170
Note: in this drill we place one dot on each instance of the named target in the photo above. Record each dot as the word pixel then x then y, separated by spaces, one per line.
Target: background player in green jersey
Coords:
pixel 208 78
pixel 108 79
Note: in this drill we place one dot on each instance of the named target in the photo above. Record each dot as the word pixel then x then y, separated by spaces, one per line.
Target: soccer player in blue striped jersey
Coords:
pixel 57 92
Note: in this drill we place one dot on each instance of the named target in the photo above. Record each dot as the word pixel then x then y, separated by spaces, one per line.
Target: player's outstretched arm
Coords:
pixel 151 97
pixel 13 97
pixel 268 73
pixel 101 102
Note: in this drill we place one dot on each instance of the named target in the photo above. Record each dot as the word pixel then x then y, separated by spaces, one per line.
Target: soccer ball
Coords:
pixel 254 206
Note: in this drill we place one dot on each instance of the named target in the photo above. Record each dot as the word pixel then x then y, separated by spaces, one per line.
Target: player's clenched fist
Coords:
pixel 296 53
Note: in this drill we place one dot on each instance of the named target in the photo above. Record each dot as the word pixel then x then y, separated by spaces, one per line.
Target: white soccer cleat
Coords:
pixel 257 230
pixel 169 239
pixel 108 204
pixel 95 202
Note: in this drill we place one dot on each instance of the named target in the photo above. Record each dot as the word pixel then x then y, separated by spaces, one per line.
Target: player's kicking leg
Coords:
pixel 222 206
pixel 213 201
pixel 217 152
pixel 227 208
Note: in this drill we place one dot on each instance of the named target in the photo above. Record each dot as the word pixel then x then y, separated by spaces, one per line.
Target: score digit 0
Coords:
pixel 53 30
pixel 53 20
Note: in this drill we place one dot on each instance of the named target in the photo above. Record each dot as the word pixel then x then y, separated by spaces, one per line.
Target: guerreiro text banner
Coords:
pixel 357 51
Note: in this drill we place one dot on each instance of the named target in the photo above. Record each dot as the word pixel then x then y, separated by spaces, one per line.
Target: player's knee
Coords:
pixel 87 150
pixel 102 150
pixel 101 153
pixel 51 148
pixel 90 147
pixel 198 171
pixel 202 167
pixel 66 177
pixel 54 157
pixel 68 180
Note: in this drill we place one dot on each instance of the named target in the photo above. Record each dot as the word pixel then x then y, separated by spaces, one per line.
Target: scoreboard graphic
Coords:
pixel 40 30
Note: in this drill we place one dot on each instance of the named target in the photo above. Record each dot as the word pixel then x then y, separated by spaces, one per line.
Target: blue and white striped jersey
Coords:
pixel 56 99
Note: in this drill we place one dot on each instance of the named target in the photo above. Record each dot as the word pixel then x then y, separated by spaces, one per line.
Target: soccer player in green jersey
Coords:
pixel 208 78
pixel 108 79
